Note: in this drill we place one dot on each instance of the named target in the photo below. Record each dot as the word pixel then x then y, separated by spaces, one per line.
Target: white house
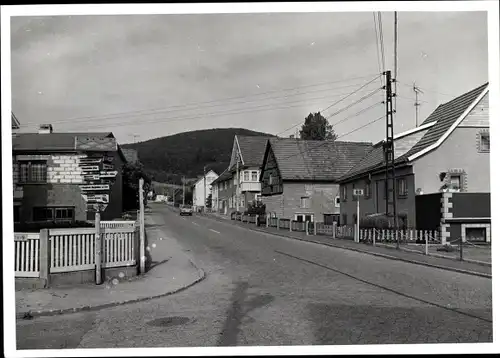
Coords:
pixel 200 195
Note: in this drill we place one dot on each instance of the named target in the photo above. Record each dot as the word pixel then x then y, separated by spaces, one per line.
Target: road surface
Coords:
pixel 267 290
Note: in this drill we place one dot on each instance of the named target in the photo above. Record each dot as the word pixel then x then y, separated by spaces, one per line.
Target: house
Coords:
pixel 66 176
pixel 300 177
pixel 201 194
pixel 448 152
pixel 245 166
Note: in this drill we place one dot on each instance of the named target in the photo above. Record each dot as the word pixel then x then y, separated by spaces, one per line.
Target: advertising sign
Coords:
pixel 94 187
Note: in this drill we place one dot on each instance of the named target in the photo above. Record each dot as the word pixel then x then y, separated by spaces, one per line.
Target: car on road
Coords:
pixel 186 210
pixel 236 215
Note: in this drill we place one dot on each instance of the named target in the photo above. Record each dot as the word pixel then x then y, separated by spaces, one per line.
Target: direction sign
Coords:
pixel 96 207
pixel 94 187
pixel 96 198
pixel 90 168
pixel 109 174
pixel 91 177
pixel 90 160
pixel 108 166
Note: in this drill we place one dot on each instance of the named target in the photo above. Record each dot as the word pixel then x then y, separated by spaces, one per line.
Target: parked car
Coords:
pixel 236 215
pixel 186 210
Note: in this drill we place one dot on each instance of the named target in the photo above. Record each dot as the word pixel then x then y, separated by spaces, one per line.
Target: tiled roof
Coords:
pixel 252 149
pixel 444 116
pixel 50 141
pixel 224 176
pixel 316 160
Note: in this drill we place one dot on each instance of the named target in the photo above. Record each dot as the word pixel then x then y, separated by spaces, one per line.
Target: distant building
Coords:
pixel 65 176
pixel 300 178
pixel 199 195
pixel 131 155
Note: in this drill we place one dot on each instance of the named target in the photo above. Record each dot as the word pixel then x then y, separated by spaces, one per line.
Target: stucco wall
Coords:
pixel 288 204
pixel 376 203
pixel 458 152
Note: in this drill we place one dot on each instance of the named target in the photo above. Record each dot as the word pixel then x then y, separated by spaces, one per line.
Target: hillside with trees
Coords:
pixel 167 159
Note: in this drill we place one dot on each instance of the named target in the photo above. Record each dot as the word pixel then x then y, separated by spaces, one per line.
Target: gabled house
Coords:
pixel 200 195
pixel 245 166
pixel 300 177
pixel 448 152
pixel 65 177
pixel 222 191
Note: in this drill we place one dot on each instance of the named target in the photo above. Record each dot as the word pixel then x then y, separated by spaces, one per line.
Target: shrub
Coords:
pixel 36 227
pixel 382 222
pixel 256 208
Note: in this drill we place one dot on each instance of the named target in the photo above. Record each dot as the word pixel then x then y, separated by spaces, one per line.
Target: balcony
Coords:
pixel 250 186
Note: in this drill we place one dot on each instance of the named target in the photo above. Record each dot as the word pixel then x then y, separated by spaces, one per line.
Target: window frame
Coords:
pixel 54 210
pixel 307 200
pixel 482 136
pixel 460 180
pixel 402 193
pixel 368 190
pixel 256 175
pixel 246 175
pixel 29 174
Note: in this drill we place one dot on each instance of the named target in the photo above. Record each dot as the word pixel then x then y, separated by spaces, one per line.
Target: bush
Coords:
pixel 382 222
pixel 256 208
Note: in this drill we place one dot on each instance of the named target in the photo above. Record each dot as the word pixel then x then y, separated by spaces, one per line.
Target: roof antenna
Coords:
pixel 417 103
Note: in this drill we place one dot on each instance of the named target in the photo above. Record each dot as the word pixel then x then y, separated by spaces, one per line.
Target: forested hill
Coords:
pixel 169 158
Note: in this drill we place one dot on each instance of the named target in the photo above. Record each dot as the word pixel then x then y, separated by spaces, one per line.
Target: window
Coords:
pixel 305 202
pixel 337 201
pixel 484 142
pixel 301 218
pixel 246 176
pixel 368 189
pixel 53 214
pixel 33 172
pixel 17 214
pixel 344 192
pixel 255 176
pixel 456 181
pixel 402 187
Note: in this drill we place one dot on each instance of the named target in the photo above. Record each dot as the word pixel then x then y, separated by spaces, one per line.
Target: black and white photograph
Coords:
pixel 249 178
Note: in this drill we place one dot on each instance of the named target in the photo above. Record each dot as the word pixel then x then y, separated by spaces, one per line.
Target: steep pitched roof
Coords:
pixel 50 141
pixel 252 149
pixel 224 176
pixel 14 121
pixel 428 134
pixel 314 160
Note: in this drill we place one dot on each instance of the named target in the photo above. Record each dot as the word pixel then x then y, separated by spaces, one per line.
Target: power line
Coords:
pixel 354 103
pixel 427 90
pixel 337 102
pixel 214 114
pixel 381 31
pixel 203 104
pixel 378 49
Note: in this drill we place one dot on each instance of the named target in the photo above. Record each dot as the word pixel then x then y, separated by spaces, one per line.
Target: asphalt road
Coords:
pixel 268 290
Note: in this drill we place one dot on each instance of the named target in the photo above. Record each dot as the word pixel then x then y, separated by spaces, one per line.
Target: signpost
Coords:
pixel 98 246
pixel 94 187
pixel 141 222
pixel 357 193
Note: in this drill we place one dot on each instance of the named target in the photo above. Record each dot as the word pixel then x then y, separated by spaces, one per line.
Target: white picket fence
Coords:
pixel 118 224
pixel 74 249
pixel 27 254
pixel 408 236
pixel 324 229
pixel 345 231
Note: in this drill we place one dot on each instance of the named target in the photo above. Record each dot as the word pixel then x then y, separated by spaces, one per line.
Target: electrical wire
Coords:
pixel 354 103
pixel 381 32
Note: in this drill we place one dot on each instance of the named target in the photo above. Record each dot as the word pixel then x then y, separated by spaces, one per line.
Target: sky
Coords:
pixel 149 76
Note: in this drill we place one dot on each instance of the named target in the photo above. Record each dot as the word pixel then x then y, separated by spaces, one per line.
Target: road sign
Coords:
pixel 94 187
pixel 90 168
pixel 96 198
pixel 90 160
pixel 108 159
pixel 108 166
pixel 109 174
pixel 357 192
pixel 91 177
pixel 96 207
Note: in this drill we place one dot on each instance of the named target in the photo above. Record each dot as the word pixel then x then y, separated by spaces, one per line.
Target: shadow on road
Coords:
pixel 238 311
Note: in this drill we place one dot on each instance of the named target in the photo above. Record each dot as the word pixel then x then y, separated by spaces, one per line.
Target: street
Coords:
pixel 267 290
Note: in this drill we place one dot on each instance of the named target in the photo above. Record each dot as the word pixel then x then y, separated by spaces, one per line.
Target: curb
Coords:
pixel 31 314
pixel 447 268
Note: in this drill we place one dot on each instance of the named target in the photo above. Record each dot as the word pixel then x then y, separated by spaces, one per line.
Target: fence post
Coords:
pixel 98 248
pixel 307 227
pixel 356 233
pixel 334 229
pixel 461 248
pixel 314 228
pixel 267 221
pixel 426 245
pixel 45 256
pixel 277 223
pixel 256 220
pixel 142 248
pixel 291 223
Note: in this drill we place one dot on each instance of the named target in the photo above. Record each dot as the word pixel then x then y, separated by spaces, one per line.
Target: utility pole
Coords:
pixel 395 54
pixel 204 188
pixel 389 156
pixel 417 91
pixel 238 182
pixel 183 191
pixel 98 249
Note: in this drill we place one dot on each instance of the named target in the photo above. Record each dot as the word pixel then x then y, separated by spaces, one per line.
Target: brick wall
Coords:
pixel 287 205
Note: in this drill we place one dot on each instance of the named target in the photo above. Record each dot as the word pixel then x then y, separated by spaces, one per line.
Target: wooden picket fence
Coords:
pixel 74 249
pixel 119 224
pixel 345 232
pixel 403 236
pixel 324 229
pixel 27 254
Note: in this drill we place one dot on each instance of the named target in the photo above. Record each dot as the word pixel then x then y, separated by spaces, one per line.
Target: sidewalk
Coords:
pixel 386 252
pixel 171 272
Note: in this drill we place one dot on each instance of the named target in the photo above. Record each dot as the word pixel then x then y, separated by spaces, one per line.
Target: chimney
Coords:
pixel 45 129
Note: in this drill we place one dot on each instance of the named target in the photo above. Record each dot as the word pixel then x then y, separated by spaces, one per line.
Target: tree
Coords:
pixel 208 203
pixel 131 174
pixel 316 127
